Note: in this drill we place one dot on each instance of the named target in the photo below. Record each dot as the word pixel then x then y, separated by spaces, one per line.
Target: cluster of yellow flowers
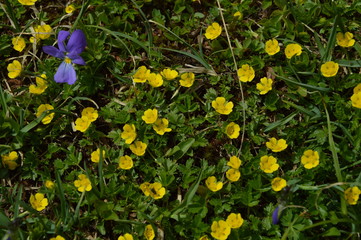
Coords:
pixel 222 229
pixel 88 115
pixel 154 190
pixel 160 125
pixel 233 174
pixel 143 75
pixel 246 73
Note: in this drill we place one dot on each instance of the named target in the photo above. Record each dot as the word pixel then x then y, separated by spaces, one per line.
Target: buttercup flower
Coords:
pixel 90 113
pixel 155 80
pixel 126 236
pixel 82 124
pixel 49 184
pixel 233 175
pixel 221 106
pixel 265 85
pixel 14 69
pixel 83 183
pixel 145 188
pixel 187 79
pixel 43 31
pixel 352 195
pixel 70 8
pixel 278 184
pixel 38 202
pixel 150 116
pixel 220 230
pixel 234 162
pixel 40 86
pixel 156 191
pixel 125 162
pixel 9 160
pixel 276 145
pixel 70 53
pixel 27 2
pixel 169 74
pixel 58 238
pixel 292 50
pixel 310 159
pixel 45 107
pixel 272 47
pixel 213 31
pixel 356 100
pixel 232 130
pixel 235 220
pixel 268 164
pixel 161 126
pixel 237 14
pixel 19 43
pixel 129 133
pixel 149 232
pixel 213 185
pixel 345 39
pixel 95 156
pixel 329 69
pixel 205 237
pixel 138 148
pixel 246 73
pixel 141 75
pixel 357 89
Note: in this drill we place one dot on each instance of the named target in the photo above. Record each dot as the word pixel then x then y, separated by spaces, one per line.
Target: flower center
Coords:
pixel 67 60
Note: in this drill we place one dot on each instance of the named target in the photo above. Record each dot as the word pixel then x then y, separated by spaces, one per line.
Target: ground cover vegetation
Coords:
pixel 180 119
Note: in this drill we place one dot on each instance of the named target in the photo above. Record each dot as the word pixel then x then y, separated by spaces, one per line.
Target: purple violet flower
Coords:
pixel 275 215
pixel 70 53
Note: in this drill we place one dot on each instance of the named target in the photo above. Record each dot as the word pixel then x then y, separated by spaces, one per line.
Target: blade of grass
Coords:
pixel 3 102
pixel 10 15
pixel 100 172
pixel 321 49
pixel 349 63
pixel 84 6
pixel 63 204
pixel 300 108
pixel 18 200
pixel 282 122
pixel 321 89
pixel 331 41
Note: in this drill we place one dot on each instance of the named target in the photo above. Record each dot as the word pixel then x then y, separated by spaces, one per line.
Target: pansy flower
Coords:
pixel 69 53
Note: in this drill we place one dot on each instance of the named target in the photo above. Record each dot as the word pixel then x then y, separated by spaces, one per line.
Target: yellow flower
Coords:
pixel 246 73
pixel 232 130
pixel 82 124
pixel 268 164
pixel 292 50
pixel 310 159
pixel 272 47
pixel 125 162
pixel 213 31
pixel 356 100
pixel 90 113
pixel 40 86
pixel 43 31
pixel 27 2
pixel 49 184
pixel 233 174
pixel 205 237
pixel 45 107
pixel 237 14
pixel 95 156
pixel 9 160
pixel 150 116
pixel 276 145
pixel 345 39
pixel 70 8
pixel 83 183
pixel 221 106
pixel 14 69
pixel 352 195
pixel 234 162
pixel 138 148
pixel 265 85
pixel 141 75
pixel 155 80
pixel 357 89
pixel 329 69
pixel 161 126
pixel 213 185
pixel 129 133
pixel 235 220
pixel 58 238
pixel 278 184
pixel 169 74
pixel 19 43
pixel 187 79
pixel 126 236
pixel 149 232
pixel 145 188
pixel 156 191
pixel 38 202
pixel 220 230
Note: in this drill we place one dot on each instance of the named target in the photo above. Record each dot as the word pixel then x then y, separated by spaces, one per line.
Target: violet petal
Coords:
pixel 53 51
pixel 62 36
pixel 65 74
pixel 75 58
pixel 275 216
pixel 77 42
